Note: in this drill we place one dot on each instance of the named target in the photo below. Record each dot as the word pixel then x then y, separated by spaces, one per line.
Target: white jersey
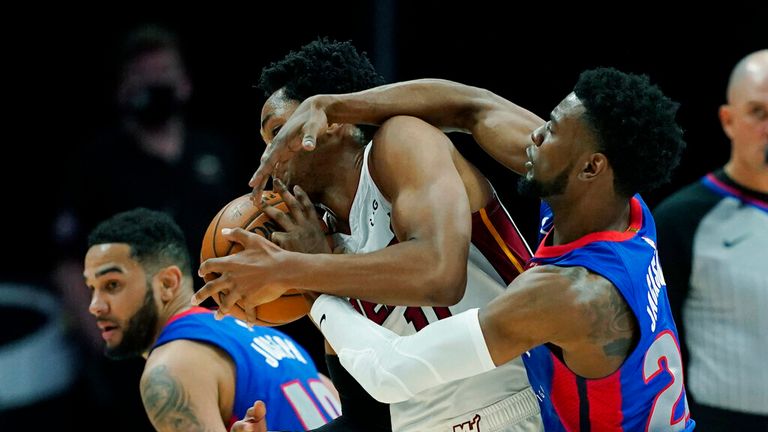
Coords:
pixel 498 400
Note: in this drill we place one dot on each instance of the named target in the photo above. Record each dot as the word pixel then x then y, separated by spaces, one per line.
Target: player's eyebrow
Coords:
pixel 110 269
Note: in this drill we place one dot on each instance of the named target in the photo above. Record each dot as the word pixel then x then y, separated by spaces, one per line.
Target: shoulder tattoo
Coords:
pixel 613 324
pixel 167 402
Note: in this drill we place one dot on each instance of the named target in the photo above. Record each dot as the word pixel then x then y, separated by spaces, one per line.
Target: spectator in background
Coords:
pixel 151 156
pixel 713 242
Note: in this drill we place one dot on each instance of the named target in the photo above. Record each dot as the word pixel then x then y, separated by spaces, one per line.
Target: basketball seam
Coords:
pixel 248 222
pixel 216 228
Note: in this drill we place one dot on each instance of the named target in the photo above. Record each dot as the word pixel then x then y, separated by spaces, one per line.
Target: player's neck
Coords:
pixel 748 176
pixel 587 215
pixel 176 306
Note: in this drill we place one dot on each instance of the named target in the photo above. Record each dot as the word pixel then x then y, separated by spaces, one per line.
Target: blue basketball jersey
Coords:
pixel 647 392
pixel 269 365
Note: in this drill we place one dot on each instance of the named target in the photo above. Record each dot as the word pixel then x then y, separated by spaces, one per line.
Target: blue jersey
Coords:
pixel 646 393
pixel 269 366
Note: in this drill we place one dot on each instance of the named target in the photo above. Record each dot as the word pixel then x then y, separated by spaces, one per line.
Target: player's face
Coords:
pixel 745 119
pixel 556 148
pixel 122 300
pixel 276 111
pixel 299 169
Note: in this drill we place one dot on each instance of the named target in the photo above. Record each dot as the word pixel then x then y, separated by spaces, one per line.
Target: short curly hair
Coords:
pixel 155 239
pixel 635 127
pixel 322 66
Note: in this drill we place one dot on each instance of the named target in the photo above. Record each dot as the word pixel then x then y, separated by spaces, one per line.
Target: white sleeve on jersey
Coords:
pixel 393 368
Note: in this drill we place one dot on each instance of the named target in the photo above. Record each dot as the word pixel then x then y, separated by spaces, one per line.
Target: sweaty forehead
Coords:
pixel 568 109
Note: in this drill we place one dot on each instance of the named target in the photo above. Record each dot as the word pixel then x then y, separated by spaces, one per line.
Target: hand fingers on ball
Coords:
pixel 260 177
pixel 210 289
pixel 250 315
pixel 282 218
pixel 238 235
pixel 238 312
pixel 212 265
pixel 228 298
pixel 294 208
pixel 305 202
pixel 279 238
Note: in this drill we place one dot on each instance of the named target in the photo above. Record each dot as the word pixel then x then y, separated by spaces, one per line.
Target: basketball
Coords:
pixel 241 213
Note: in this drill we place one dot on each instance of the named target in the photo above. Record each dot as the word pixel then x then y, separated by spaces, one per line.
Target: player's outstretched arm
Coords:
pixel 536 308
pixel 430 218
pixel 501 128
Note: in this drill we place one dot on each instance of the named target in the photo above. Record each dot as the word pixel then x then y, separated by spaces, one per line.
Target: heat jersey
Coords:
pixel 269 366
pixel 646 393
pixel 497 255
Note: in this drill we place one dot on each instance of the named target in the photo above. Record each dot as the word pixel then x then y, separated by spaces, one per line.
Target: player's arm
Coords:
pixel 412 165
pixel 501 127
pixel 179 396
pixel 431 218
pixel 544 304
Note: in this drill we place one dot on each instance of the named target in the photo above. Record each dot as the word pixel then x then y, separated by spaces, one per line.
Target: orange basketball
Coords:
pixel 241 213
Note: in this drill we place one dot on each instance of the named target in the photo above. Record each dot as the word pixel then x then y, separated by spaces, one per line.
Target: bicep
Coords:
pixel 177 395
pixel 537 308
pixel 412 164
pixel 503 130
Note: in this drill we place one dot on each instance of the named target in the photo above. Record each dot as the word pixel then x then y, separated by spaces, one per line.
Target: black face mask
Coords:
pixel 153 106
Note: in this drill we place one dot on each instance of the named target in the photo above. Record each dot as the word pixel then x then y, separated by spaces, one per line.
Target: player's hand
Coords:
pixel 251 277
pixel 299 133
pixel 303 231
pixel 255 419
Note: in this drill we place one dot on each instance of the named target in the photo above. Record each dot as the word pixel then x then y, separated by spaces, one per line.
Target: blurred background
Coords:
pixel 66 163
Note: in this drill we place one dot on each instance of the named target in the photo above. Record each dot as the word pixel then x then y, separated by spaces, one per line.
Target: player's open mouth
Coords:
pixel 107 330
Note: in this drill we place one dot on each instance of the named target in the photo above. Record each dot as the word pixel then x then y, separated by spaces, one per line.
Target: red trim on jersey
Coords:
pixel 733 191
pixel 193 310
pixel 232 421
pixel 565 395
pixel 635 223
pixel 605 402
pixel 497 237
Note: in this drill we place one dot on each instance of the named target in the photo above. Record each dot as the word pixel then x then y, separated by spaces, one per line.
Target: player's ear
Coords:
pixel 170 280
pixel 594 165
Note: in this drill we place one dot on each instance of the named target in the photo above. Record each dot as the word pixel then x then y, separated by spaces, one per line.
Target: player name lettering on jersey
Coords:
pixel 275 348
pixel 654 278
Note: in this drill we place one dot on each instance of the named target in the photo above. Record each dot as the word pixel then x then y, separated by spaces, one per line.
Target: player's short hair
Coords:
pixel 635 127
pixel 322 66
pixel 156 241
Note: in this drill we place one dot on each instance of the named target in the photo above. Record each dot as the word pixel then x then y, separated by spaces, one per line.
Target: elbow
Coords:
pixel 446 285
pixel 378 374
